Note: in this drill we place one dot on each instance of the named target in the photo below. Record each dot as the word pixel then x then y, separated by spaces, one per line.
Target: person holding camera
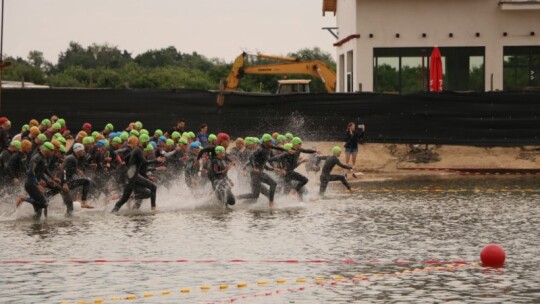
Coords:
pixel 353 138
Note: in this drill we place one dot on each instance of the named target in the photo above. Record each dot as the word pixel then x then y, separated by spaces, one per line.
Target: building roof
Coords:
pixel 329 6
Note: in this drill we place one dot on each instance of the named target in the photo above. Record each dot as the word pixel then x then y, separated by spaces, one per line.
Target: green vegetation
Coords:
pixel 105 66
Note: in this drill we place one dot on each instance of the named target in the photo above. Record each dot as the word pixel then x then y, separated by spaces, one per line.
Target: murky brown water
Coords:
pixel 395 227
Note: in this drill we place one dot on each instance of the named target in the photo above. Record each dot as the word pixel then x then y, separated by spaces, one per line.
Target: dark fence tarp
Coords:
pixel 492 119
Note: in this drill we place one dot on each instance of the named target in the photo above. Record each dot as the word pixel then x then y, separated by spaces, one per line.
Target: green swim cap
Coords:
pixel 124 136
pixel 175 135
pixel 134 133
pixel 25 128
pixel 296 141
pixel 16 144
pixel 42 137
pixel 88 140
pixel 148 148
pixel 117 140
pixel 256 140
pixel 62 140
pixel 336 149
pixel 289 135
pixel 170 142
pixel 185 134
pixel 267 137
pixel 144 138
pixel 144 131
pixel 281 138
pixel 212 137
pixel 139 124
pixel 183 141
pixel 191 135
pixel 57 136
pixel 62 149
pixel 158 132
pixel 220 149
pixel 47 145
pixel 56 126
pixel 95 134
pixel 46 122
pixel 287 146
pixel 61 121
pixel 109 127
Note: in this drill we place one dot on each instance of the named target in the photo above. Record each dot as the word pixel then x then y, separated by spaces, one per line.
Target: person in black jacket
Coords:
pixel 330 163
pixel 353 138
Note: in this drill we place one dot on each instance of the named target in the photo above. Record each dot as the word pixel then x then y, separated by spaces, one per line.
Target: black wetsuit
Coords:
pixel 258 160
pixel 37 171
pixel 135 180
pixel 222 183
pixel 191 170
pixel 16 166
pixel 4 139
pixel 330 163
pixel 5 155
pixel 69 177
pixel 290 163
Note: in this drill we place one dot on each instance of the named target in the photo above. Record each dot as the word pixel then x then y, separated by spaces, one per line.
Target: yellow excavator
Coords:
pixel 286 66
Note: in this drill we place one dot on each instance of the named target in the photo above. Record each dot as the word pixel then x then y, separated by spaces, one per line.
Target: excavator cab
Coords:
pixel 291 86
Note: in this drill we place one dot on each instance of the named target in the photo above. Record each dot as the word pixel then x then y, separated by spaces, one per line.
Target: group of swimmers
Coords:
pixel 48 160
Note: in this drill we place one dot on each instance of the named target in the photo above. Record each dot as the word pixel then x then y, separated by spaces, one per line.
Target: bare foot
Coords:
pixel 271 204
pixel 154 209
pixel 20 200
pixel 84 204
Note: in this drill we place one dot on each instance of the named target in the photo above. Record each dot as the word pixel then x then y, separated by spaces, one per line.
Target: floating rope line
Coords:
pixel 297 285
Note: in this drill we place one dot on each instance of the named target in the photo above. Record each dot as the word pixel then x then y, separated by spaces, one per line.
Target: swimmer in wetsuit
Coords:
pixel 258 162
pixel 330 162
pixel 135 179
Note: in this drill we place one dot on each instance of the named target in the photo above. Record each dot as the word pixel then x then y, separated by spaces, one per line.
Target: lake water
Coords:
pixel 383 228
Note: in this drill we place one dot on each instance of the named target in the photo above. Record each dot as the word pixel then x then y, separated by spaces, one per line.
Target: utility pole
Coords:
pixel 2 63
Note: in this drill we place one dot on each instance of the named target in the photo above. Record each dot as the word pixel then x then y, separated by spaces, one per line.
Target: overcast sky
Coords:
pixel 214 28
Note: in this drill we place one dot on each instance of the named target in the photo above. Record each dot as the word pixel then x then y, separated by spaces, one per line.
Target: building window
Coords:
pixel 350 74
pixel 521 67
pixel 406 70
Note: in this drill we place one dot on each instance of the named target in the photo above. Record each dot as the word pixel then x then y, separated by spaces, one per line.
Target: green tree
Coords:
pixel 22 70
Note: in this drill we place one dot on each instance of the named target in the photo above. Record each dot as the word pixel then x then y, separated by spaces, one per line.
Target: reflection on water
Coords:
pixel 365 233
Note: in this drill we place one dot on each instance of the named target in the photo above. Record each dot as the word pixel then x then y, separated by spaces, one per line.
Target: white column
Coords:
pixel 494 66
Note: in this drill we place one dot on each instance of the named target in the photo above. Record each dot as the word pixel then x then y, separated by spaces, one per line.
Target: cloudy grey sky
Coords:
pixel 214 28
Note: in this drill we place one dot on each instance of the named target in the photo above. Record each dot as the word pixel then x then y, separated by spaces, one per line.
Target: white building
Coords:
pixel 384 45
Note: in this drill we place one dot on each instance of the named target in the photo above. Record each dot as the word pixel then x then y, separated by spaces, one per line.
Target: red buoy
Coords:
pixel 492 255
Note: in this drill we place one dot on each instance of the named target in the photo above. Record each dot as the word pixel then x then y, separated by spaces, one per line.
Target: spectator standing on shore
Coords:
pixel 202 136
pixel 353 138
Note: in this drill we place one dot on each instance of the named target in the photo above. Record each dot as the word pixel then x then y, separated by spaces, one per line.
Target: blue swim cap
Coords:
pixel 101 143
pixel 162 139
pixel 194 145
pixel 153 143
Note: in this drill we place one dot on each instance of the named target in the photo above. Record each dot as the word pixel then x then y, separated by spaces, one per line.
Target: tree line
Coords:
pixel 106 66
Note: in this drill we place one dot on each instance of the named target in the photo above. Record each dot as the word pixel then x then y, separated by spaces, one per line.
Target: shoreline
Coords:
pixel 399 161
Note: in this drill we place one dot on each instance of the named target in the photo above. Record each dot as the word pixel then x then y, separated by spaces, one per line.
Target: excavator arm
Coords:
pixel 290 65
